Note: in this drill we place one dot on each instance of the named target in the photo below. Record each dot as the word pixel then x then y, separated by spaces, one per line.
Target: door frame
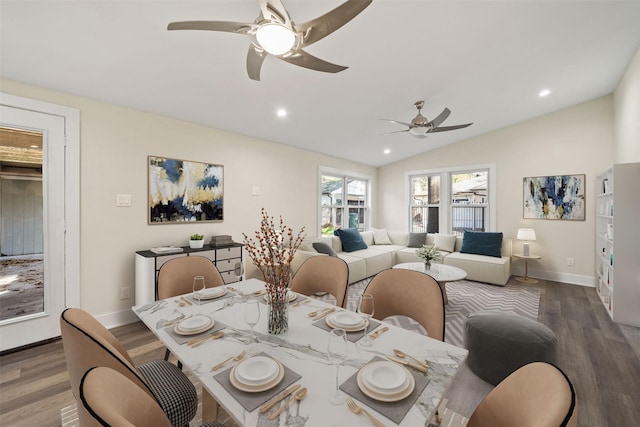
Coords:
pixel 71 123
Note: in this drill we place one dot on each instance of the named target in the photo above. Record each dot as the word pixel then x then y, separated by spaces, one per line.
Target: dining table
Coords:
pixel 302 357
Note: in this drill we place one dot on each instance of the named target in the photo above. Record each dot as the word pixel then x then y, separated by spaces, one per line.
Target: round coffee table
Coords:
pixel 440 272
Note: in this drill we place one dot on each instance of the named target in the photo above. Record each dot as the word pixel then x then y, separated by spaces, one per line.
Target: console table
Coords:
pixel 227 259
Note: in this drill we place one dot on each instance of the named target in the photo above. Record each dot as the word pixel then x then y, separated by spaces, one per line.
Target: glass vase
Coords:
pixel 427 265
pixel 278 321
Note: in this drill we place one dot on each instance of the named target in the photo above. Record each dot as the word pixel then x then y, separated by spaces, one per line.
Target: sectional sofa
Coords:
pixel 384 249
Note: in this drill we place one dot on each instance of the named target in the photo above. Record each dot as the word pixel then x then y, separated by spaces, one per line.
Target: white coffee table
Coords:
pixel 440 272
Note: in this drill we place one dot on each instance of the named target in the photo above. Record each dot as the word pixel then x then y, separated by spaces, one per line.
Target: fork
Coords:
pixel 353 407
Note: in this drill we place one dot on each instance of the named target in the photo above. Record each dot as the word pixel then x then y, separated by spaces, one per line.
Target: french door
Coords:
pixel 59 127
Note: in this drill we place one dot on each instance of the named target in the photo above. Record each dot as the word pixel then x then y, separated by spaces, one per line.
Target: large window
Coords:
pixel 343 202
pixel 450 201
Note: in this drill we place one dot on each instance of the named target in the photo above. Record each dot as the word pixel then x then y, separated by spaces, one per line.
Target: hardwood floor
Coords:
pixel 601 358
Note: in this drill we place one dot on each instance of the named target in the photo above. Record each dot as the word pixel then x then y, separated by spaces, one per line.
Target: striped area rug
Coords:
pixel 466 297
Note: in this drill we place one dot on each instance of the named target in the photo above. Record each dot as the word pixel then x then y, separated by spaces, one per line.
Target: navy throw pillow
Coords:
pixel 482 243
pixel 351 239
pixel 323 248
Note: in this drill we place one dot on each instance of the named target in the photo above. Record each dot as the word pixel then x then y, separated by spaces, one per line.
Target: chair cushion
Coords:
pixel 174 392
pixel 482 243
pixel 416 240
pixel 380 237
pixel 323 248
pixel 351 239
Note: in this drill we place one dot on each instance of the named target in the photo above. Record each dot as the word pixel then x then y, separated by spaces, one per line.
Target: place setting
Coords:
pixel 193 330
pixel 256 380
pixel 387 387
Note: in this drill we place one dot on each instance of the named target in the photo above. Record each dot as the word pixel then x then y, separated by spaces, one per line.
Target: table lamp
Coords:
pixel 526 234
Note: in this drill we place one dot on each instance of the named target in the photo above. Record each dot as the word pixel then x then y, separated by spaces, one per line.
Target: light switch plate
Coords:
pixel 123 200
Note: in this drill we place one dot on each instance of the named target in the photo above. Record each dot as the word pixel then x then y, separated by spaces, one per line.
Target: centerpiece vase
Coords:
pixel 278 320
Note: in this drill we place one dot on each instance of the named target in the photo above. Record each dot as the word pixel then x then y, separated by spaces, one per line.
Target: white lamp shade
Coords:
pixel 275 38
pixel 526 234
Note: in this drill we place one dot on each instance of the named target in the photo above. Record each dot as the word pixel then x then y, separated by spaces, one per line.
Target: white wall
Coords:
pixel 114 145
pixel 576 140
pixel 626 102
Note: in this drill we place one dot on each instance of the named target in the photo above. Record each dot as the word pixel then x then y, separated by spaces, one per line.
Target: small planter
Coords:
pixel 196 244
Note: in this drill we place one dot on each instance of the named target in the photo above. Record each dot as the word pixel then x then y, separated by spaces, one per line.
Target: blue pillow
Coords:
pixel 351 239
pixel 482 243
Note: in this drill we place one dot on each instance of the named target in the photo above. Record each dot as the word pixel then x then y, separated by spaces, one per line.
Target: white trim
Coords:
pixel 118 318
pixel 555 276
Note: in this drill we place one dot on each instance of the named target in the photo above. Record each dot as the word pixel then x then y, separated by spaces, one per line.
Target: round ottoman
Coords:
pixel 499 343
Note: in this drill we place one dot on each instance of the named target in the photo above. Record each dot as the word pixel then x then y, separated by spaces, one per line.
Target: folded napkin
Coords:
pixel 395 411
pixel 351 336
pixel 251 401
pixel 181 339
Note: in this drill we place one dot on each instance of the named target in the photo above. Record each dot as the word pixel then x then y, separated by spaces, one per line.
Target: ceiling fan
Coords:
pixel 276 34
pixel 420 126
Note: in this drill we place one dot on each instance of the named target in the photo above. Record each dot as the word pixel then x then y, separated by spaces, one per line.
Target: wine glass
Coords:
pixel 252 316
pixel 366 310
pixel 337 353
pixel 198 290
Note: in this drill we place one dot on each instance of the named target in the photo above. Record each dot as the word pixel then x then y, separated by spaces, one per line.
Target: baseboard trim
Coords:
pixel 118 318
pixel 554 276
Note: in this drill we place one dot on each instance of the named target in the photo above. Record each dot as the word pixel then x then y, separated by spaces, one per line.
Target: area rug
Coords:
pixel 466 297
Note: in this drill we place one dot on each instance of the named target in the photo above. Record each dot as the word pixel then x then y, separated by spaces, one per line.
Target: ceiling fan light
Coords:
pixel 275 38
pixel 419 130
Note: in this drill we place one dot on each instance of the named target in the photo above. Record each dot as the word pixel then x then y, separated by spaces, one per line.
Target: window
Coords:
pixel 338 210
pixel 451 201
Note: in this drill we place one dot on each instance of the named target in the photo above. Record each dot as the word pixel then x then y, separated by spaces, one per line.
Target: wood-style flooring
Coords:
pixel 602 359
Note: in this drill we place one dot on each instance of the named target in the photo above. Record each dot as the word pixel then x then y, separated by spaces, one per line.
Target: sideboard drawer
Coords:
pixel 227 264
pixel 229 277
pixel 227 253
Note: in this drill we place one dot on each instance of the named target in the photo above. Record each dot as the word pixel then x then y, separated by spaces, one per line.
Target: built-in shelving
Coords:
pixel 617 242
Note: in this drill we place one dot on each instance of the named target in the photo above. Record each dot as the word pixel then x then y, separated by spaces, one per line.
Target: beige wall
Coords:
pixel 626 101
pixel 577 140
pixel 114 145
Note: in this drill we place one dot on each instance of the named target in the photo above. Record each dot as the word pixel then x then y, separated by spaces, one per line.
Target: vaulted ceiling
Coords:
pixel 487 61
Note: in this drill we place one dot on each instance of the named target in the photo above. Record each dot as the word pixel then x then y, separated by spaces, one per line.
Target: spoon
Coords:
pixel 403 355
pixel 236 358
pixel 297 395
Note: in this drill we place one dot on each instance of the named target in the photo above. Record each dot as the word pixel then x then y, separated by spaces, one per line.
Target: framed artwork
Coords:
pixel 182 191
pixel 558 197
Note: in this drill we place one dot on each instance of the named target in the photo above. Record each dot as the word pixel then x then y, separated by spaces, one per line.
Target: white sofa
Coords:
pixel 369 262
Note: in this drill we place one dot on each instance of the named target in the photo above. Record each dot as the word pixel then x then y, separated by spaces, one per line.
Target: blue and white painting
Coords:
pixel 183 191
pixel 554 197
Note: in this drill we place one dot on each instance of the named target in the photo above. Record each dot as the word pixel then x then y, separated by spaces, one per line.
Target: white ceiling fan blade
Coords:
pixel 225 26
pixel 320 27
pixel 446 128
pixel 306 60
pixel 275 10
pixel 255 58
pixel 397 122
pixel 441 118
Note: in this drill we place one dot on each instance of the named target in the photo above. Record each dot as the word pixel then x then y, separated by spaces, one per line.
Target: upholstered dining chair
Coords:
pixel 111 399
pixel 176 275
pixel 409 293
pixel 323 274
pixel 538 394
pixel 87 343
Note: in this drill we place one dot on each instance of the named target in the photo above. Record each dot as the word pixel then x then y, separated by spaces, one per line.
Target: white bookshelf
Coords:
pixel 618 242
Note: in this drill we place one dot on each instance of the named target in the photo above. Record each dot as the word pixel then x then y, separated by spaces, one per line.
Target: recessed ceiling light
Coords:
pixel 386 151
pixel 544 92
pixel 282 112
pixel 34 146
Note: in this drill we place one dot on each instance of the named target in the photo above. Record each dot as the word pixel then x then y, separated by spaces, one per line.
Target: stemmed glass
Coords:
pixel 198 290
pixel 365 309
pixel 252 316
pixel 337 353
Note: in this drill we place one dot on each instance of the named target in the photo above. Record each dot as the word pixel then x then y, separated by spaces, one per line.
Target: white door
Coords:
pixel 60 210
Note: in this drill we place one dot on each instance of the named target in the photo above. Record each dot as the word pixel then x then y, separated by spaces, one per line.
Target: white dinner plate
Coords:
pixel 386 397
pixel 192 327
pixel 257 370
pixel 211 293
pixel 292 296
pixel 385 377
pixel 256 388
pixel 346 319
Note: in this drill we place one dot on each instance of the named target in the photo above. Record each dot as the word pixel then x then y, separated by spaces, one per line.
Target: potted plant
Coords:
pixel 196 241
pixel 428 254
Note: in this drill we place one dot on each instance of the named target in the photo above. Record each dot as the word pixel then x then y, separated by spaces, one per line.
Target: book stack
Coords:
pixel 222 240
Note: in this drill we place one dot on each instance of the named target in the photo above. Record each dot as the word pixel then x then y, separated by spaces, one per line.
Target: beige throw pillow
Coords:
pixel 380 237
pixel 445 242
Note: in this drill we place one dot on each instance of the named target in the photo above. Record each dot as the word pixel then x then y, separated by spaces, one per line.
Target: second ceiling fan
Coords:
pixel 274 33
pixel 420 126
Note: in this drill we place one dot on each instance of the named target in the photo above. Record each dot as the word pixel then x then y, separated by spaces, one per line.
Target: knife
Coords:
pixel 278 398
pixel 323 314
pixel 411 365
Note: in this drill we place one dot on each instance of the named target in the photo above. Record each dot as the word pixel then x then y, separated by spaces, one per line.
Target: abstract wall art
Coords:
pixel 560 197
pixel 182 191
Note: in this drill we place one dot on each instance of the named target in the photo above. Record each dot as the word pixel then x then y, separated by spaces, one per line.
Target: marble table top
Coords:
pixel 440 272
pixel 301 349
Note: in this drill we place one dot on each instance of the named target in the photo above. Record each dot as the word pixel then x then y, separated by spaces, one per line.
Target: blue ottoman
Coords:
pixel 500 343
